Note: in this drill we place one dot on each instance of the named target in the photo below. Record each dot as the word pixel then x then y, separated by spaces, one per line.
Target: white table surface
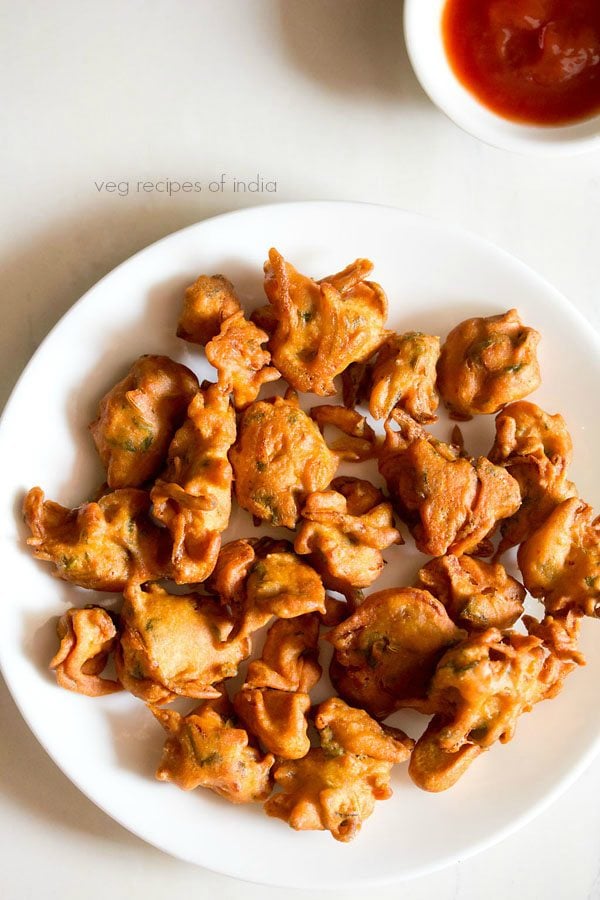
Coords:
pixel 318 96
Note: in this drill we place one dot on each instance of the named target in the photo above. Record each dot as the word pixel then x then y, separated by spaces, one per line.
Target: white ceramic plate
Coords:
pixel 435 276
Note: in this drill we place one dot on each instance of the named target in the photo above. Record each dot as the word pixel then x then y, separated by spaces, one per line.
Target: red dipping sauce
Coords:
pixel 532 61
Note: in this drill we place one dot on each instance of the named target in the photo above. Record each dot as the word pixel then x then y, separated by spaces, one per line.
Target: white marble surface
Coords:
pixel 318 96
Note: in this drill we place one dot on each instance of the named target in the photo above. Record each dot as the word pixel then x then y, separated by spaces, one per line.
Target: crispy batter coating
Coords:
pixel 175 645
pixel 279 458
pixel 334 787
pixel 386 652
pixel 487 363
pixel 259 579
pixel 87 638
pixel 139 416
pixel 322 327
pixel 404 376
pixel 274 701
pixel 207 302
pixel 480 689
pixel 536 448
pixel 358 441
pixel 560 562
pixel 345 549
pixel 242 364
pixel 477 595
pixel 207 749
pixel 100 546
pixel 290 658
pixel 450 504
pixel 193 497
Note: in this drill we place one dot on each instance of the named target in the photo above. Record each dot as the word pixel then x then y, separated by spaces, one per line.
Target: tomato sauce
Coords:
pixel 533 61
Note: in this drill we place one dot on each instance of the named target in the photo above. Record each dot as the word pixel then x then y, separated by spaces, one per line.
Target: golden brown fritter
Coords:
pixel 175 645
pixel 193 496
pixel 477 595
pixel 279 458
pixel 386 652
pixel 358 442
pixel 322 327
pixel 259 579
pixel 87 638
pixel 345 549
pixel 479 690
pixel 100 546
pixel 207 749
pixel 404 376
pixel 536 448
pixel 241 362
pixel 138 418
pixel 560 562
pixel 207 302
pixel 450 504
pixel 334 787
pixel 487 363
pixel 274 700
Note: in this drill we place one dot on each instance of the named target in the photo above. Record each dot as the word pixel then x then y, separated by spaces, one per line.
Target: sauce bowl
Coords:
pixel 427 53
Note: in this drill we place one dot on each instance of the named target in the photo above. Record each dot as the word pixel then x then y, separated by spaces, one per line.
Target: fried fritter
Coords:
pixel 386 652
pixel 345 549
pixel 87 638
pixel 206 749
pixel 259 579
pixel 100 546
pixel 487 363
pixel 193 496
pixel 138 418
pixel 242 364
pixel 334 787
pixel 477 595
pixel 450 504
pixel 175 645
pixel 560 562
pixel 322 327
pixel 274 701
pixel 207 302
pixel 480 689
pixel 404 376
pixel 358 441
pixel 536 448
pixel 279 458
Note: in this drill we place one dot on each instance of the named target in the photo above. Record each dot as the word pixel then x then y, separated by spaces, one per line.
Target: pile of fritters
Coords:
pixel 176 452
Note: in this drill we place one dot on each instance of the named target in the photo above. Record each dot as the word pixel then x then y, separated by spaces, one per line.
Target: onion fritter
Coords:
pixel 87 638
pixel 487 363
pixel 450 504
pixel 242 364
pixel 102 545
pixel 193 497
pixel 334 787
pixel 404 376
pixel 138 418
pixel 480 689
pixel 322 327
pixel 387 651
pixel 274 700
pixel 206 749
pixel 560 562
pixel 175 645
pixel 358 442
pixel 476 594
pixel 207 302
pixel 279 458
pixel 345 549
pixel 536 448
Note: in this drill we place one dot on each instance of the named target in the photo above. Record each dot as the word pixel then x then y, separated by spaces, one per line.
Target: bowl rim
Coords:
pixel 461 106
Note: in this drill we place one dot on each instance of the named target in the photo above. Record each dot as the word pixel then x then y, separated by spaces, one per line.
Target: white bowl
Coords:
pixel 425 44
